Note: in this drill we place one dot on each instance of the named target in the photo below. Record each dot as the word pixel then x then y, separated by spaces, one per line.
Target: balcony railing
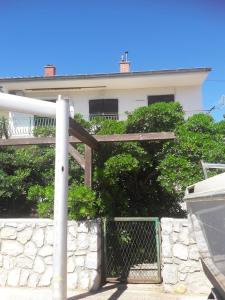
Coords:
pixel 14 127
pixel 23 126
pixel 104 116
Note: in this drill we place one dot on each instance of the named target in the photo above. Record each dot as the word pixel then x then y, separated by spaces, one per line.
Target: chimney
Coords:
pixel 124 63
pixel 49 70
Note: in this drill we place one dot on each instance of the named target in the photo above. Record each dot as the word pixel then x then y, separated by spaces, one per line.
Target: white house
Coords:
pixel 110 95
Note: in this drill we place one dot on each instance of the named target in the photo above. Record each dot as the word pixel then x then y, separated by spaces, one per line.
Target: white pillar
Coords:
pixel 60 201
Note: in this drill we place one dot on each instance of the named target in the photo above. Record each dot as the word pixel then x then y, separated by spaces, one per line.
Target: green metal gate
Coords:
pixel 132 250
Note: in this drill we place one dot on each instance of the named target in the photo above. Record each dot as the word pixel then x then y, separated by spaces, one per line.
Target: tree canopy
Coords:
pixel 130 179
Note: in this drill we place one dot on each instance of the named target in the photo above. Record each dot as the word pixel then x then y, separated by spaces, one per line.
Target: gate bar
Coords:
pixel 134 219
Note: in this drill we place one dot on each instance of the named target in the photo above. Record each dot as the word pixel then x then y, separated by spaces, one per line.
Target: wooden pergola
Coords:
pixel 68 132
pixel 79 135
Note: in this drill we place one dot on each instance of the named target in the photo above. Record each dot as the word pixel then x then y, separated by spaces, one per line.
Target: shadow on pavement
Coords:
pixel 119 291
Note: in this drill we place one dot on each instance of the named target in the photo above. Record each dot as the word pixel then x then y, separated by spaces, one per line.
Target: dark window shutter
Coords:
pixel 160 98
pixel 103 106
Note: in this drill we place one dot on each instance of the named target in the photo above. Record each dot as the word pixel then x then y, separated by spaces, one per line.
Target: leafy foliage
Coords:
pixel 130 179
pixel 199 138
pixel 82 201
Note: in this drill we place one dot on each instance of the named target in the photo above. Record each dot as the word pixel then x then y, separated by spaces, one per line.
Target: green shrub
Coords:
pixel 82 201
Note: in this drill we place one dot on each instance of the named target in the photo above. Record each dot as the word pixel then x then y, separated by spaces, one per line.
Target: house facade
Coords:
pixel 110 95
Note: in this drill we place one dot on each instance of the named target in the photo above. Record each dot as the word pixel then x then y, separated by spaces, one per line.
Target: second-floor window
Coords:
pixel 160 98
pixel 106 108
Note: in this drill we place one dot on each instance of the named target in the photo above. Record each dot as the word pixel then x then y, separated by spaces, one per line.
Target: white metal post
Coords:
pixel 60 201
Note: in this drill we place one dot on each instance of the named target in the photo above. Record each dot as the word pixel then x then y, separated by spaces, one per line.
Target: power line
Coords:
pixel 215 80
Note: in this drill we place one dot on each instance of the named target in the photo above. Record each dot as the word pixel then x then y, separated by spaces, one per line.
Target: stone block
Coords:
pixel 79 261
pixel 24 235
pixel 46 251
pixel 3 277
pixel 184 236
pixel 92 260
pixel 24 262
pixel 8 262
pixel 83 241
pixel 20 226
pixel 14 277
pixel 189 267
pixel 80 252
pixel 192 240
pixel 11 224
pixel 94 227
pixel 72 281
pixel 30 249
pixel 167 260
pixel 180 251
pixel 186 223
pixel 48 260
pixel 83 280
pixel 38 237
pixel 193 252
pixel 39 265
pixel 33 280
pixel 70 253
pixel 46 278
pixel 83 227
pixel 71 243
pixel 73 230
pixel 94 242
pixel 9 233
pixel 170 274
pixel 166 246
pixel 49 236
pixel 11 247
pixel 177 226
pixel 70 265
pixel 175 237
pixel 24 275
pixel 94 281
pixel 167 226
pixel 182 276
pixel 197 283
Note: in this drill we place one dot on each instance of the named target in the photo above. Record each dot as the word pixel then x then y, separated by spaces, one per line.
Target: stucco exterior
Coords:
pixel 131 89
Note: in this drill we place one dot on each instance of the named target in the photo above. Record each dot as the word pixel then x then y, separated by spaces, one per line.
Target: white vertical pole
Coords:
pixel 60 201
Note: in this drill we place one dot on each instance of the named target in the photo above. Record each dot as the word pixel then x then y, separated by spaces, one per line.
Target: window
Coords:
pixel 160 98
pixel 107 108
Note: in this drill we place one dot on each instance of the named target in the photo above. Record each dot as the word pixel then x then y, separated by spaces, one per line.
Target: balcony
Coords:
pixel 26 126
pixel 104 116
pixel 23 126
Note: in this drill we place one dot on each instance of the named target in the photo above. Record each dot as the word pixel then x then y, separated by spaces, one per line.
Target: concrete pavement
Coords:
pixel 107 292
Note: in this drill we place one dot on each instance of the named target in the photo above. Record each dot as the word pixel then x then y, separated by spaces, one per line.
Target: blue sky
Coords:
pixel 81 36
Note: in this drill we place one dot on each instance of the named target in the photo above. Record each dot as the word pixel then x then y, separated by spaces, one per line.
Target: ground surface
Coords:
pixel 108 292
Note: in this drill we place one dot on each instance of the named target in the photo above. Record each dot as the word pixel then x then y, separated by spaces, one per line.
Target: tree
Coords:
pixel 199 138
pixel 130 179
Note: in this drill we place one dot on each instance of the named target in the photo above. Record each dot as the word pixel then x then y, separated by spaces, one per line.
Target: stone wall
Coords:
pixel 26 253
pixel 181 268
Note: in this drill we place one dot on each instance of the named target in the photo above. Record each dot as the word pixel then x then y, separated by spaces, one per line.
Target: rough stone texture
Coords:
pixel 26 253
pixel 12 248
pixel 181 268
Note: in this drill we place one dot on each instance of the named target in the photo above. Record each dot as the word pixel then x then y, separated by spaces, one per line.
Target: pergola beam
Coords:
pixel 77 156
pixel 131 137
pixel 150 136
pixel 88 166
pixel 80 133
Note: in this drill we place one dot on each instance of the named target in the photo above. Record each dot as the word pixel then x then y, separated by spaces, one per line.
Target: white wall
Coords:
pixel 128 100
pixel 190 98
